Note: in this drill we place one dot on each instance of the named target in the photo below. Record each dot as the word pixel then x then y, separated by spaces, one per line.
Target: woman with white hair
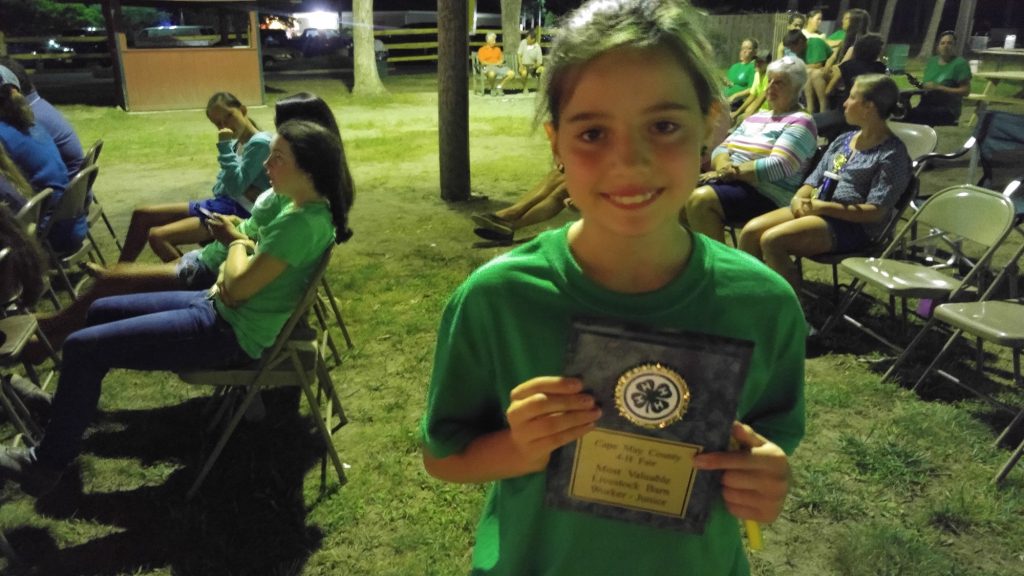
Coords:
pixel 760 165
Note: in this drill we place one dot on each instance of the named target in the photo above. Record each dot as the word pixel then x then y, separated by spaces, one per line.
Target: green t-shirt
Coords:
pixel 837 36
pixel 817 50
pixel 741 75
pixel 267 206
pixel 298 236
pixel 951 74
pixel 509 322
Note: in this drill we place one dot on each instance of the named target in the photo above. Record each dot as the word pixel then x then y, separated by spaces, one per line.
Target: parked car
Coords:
pixel 277 48
pixel 176 37
pixel 93 48
pixel 49 47
pixel 323 42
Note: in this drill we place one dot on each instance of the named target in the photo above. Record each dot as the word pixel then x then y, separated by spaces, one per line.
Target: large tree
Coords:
pixel 367 80
pixel 510 34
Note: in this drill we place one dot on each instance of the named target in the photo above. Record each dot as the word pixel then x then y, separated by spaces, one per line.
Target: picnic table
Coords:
pixel 988 96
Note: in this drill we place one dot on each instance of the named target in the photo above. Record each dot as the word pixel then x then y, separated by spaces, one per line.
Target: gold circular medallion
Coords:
pixel 652 396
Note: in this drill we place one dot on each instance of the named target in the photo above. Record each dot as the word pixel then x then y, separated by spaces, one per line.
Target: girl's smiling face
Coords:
pixel 630 138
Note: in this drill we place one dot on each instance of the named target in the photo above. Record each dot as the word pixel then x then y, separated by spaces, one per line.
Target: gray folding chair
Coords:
pixel 96 212
pixel 295 359
pixel 72 205
pixel 965 212
pixel 28 217
pixel 17 326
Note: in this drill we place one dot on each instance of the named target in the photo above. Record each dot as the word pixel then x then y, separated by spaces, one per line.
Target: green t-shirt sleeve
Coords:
pixel 838 35
pixel 292 238
pixel 817 50
pixel 462 403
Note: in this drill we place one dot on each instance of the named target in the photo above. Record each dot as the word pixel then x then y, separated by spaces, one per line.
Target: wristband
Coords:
pixel 249 248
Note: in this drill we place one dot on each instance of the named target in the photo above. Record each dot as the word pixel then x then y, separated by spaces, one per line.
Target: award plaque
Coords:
pixel 666 397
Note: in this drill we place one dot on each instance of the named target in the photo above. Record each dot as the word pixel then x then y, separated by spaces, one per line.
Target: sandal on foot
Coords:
pixel 491 227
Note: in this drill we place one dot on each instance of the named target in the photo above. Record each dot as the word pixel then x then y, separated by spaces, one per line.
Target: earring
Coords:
pixel 560 167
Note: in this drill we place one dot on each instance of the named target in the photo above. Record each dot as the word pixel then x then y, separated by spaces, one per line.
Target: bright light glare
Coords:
pixel 319 19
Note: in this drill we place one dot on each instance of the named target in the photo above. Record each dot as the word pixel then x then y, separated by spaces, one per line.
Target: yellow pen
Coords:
pixel 751 527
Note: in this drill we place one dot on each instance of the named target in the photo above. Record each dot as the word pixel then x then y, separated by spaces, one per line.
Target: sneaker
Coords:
pixel 33 397
pixel 21 466
pixel 491 227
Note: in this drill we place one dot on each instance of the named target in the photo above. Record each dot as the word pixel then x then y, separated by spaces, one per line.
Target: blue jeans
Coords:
pixel 155 331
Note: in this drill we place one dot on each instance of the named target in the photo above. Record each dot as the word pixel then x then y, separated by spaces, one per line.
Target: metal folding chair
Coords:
pixel 72 205
pixel 295 359
pixel 974 214
pixel 96 212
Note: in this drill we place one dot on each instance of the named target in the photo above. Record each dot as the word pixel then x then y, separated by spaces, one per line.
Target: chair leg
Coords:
pixel 314 409
pixel 96 248
pixel 110 228
pixel 906 351
pixel 337 311
pixel 19 414
pixel 223 440
pixel 935 361
pixel 8 551
pixel 1010 463
pixel 318 309
pixel 855 289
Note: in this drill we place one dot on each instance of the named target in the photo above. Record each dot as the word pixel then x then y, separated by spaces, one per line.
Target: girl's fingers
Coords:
pixel 540 405
pixel 546 385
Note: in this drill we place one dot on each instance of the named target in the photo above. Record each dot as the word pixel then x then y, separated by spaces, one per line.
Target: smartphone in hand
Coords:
pixel 204 214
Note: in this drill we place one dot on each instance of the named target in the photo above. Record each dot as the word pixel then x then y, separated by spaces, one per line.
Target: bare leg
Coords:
pixel 806 236
pixel 544 189
pixel 546 209
pixel 704 213
pixel 164 240
pixel 750 236
pixel 490 76
pixel 123 278
pixel 145 218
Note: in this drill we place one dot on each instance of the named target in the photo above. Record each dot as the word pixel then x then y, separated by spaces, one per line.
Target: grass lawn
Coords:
pixel 885 482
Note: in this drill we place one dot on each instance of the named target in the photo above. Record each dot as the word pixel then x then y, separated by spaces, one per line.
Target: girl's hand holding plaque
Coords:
pixel 546 413
pixel 756 477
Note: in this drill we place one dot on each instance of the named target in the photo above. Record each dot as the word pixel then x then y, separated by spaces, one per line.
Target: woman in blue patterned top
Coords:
pixel 845 203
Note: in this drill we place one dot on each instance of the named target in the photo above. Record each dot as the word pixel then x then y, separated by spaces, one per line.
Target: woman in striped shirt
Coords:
pixel 760 165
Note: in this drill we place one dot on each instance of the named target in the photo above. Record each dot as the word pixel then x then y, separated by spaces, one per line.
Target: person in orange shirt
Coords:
pixel 493 64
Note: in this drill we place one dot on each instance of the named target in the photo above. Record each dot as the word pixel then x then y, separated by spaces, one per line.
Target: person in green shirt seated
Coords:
pixel 823 79
pixel 947 79
pixel 740 76
pixel 630 90
pixel 230 325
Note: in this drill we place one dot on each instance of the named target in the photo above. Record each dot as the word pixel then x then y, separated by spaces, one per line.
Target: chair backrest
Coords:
pixel 976 214
pixel 918 138
pixel 301 309
pixel 92 156
pixel 30 213
pixel 73 203
pixel 1000 145
pixel 906 196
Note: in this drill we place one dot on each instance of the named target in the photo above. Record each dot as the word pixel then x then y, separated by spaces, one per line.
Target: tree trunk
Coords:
pixel 964 24
pixel 453 99
pixel 933 29
pixel 367 81
pixel 510 33
pixel 890 10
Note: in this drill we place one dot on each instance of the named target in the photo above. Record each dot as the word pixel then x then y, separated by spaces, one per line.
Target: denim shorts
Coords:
pixel 846 236
pixel 741 202
pixel 217 205
pixel 193 274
